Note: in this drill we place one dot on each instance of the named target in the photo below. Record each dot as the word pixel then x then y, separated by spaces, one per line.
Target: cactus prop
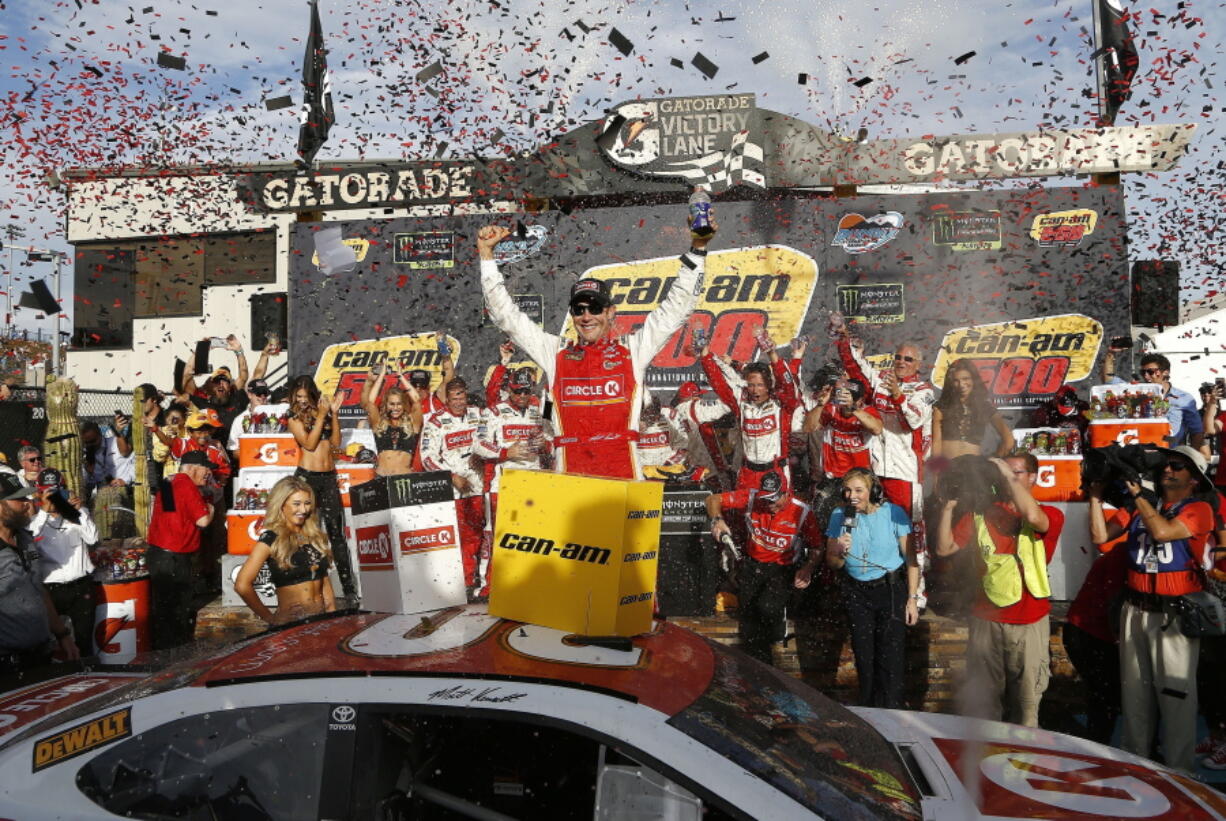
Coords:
pixel 142 499
pixel 62 445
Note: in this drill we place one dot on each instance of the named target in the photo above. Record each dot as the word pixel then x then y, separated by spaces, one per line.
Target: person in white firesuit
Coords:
pixel 447 440
pixel 597 380
pixel 662 441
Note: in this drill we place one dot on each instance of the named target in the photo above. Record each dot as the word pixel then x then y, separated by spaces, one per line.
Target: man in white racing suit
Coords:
pixel 596 381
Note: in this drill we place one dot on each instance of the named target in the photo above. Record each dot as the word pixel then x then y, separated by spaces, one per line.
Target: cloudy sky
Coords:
pixel 81 85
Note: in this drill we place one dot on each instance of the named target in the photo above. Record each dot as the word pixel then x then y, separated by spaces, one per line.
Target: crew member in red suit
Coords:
pixel 447 440
pixel 779 527
pixel 596 380
pixel 763 413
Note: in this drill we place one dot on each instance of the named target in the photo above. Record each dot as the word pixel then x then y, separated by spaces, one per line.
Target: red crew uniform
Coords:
pixel 596 388
pixel 501 427
pixel 845 441
pixel 447 443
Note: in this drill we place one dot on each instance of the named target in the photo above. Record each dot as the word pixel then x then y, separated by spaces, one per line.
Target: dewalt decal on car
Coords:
pixel 345 368
pixel 82 738
pixel 1024 362
pixel 744 289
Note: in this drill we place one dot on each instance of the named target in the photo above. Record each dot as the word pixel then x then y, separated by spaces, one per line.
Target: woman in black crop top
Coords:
pixel 396 421
pixel 296 551
pixel 963 413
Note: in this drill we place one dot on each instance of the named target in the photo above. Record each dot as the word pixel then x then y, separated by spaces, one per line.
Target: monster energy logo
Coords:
pixel 872 303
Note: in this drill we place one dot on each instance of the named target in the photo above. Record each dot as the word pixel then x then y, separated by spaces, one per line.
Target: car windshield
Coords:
pixel 788 734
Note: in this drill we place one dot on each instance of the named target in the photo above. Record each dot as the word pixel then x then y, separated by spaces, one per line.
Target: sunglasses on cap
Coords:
pixel 582 308
pixel 901 358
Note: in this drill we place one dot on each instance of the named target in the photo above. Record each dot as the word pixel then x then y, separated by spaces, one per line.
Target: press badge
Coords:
pixel 1151 561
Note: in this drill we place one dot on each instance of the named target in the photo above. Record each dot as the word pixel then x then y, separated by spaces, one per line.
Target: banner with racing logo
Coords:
pixel 1024 362
pixel 904 268
pixel 344 368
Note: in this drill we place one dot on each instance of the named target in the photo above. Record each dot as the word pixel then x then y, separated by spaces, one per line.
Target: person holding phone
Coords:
pixel 316 426
pixel 63 532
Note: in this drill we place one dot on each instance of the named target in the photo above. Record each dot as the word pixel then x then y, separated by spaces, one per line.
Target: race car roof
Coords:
pixel 665 670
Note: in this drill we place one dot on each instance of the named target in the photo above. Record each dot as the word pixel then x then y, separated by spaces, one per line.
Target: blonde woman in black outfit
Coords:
pixel 296 550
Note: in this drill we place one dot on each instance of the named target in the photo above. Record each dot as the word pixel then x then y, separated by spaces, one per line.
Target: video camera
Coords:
pixel 1113 465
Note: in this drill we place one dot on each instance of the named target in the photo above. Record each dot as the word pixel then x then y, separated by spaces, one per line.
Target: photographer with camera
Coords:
pixel 63 532
pixel 1166 550
pixel 986 505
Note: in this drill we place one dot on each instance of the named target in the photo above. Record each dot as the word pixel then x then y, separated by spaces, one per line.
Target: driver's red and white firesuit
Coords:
pixel 447 442
pixel 898 454
pixel 765 426
pixel 501 427
pixel 596 388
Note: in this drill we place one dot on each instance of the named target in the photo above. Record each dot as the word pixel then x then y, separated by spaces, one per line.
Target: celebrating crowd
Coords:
pixel 863 483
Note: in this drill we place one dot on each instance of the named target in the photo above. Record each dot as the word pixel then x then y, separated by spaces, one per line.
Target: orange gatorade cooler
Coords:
pixel 267 450
pixel 243 530
pixel 352 474
pixel 121 620
pixel 1105 432
pixel 1059 479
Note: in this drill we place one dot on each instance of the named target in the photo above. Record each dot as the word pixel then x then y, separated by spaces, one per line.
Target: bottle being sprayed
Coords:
pixel 700 213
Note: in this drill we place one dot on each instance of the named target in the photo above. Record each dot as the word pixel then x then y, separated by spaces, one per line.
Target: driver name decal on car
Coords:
pixel 82 738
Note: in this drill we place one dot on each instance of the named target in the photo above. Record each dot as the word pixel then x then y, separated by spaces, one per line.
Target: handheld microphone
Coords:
pixel 849 518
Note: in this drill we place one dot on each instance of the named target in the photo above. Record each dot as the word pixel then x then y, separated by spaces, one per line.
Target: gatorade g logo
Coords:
pixel 254 527
pixel 1024 362
pixel 374 548
pixel 597 390
pixel 759 426
pixel 115 631
pixel 268 453
pixel 430 538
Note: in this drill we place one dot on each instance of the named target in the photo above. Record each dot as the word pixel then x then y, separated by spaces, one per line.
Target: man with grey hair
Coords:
pixel 30 459
pixel 905 401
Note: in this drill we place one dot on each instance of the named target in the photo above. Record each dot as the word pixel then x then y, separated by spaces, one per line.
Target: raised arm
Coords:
pixel 719 384
pixel 261 364
pixel 540 346
pixel 232 344
pixel 1022 500
pixel 370 393
pixel 448 366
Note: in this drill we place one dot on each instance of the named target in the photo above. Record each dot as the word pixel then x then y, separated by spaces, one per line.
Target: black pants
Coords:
pixel 328 499
pixel 1209 682
pixel 171 604
pixel 75 599
pixel 761 597
pixel 1098 666
pixel 876 611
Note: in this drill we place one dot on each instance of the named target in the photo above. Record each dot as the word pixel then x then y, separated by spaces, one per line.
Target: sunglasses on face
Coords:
pixel 521 391
pixel 1178 466
pixel 32 459
pixel 1150 371
pixel 585 308
pixel 900 358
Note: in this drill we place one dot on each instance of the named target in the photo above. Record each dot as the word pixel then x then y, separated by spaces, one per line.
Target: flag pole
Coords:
pixel 1099 69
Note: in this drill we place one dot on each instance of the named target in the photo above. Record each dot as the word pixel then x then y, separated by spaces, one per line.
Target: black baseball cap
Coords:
pixel 259 386
pixel 12 488
pixel 771 486
pixel 523 378
pixel 195 457
pixel 593 291
pixel 419 377
pixel 49 479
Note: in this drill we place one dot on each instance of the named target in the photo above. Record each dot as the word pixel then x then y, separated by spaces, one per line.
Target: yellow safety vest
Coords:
pixel 1002 583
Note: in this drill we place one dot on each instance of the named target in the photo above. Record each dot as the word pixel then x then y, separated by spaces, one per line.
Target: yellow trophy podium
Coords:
pixel 576 553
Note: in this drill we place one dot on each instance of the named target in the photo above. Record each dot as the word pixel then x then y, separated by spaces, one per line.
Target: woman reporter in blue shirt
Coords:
pixel 870 538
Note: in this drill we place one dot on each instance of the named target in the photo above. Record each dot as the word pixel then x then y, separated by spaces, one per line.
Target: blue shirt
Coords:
pixel 874 540
pixel 1183 416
